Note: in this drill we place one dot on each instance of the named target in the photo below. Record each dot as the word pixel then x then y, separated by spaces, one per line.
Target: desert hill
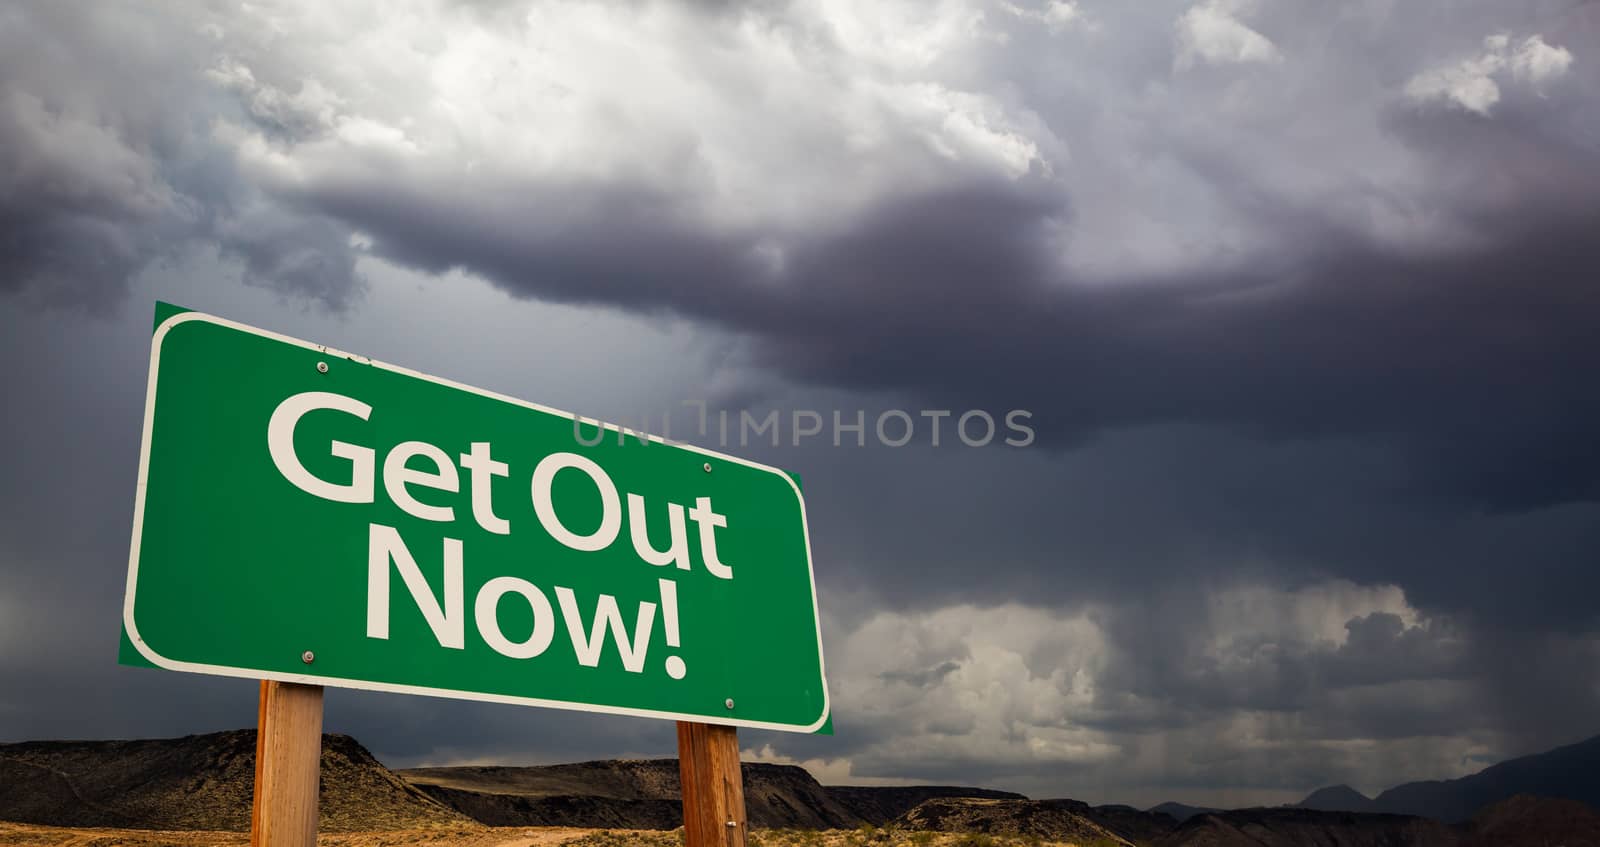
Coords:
pixel 1520 821
pixel 1054 820
pixel 880 804
pixel 1294 827
pixel 1043 819
pixel 1182 811
pixel 1126 822
pixel 644 794
pixel 1524 821
pixel 204 782
pixel 195 782
pixel 623 793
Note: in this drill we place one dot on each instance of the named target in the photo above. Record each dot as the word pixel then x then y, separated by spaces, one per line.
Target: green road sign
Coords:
pixel 310 516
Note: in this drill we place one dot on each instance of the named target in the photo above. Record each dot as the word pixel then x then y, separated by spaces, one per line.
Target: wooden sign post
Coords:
pixel 288 765
pixel 713 787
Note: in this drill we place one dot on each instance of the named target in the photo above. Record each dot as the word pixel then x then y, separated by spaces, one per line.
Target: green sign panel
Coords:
pixel 310 516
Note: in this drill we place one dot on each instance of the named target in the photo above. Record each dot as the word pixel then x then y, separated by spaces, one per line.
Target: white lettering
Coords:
pixel 280 443
pixel 482 470
pixel 606 615
pixel 677 551
pixel 708 522
pixel 486 609
pixel 443 477
pixel 610 506
pixel 446 621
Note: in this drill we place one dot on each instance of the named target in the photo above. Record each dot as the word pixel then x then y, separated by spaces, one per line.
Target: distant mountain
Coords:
pixel 1571 772
pixel 1181 812
pixel 1294 827
pixel 195 782
pixel 1337 798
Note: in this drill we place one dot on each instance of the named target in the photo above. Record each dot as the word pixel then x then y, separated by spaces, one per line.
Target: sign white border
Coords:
pixel 337 682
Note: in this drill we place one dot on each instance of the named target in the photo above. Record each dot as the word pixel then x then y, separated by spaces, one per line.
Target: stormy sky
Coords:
pixel 1300 297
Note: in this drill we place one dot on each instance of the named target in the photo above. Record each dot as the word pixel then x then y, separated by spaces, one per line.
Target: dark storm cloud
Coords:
pixel 85 203
pixel 1474 360
pixel 107 164
pixel 1377 373
pixel 1469 354
pixel 921 678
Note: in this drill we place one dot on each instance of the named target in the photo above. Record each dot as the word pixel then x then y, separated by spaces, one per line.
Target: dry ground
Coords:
pixel 477 836
pixel 30 835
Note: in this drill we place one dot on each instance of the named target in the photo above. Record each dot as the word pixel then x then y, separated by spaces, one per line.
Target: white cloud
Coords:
pixel 1211 32
pixel 993 684
pixel 837 771
pixel 1536 61
pixel 774 123
pixel 1056 15
pixel 961 126
pixel 308 110
pixel 905 35
pixel 790 122
pixel 1472 84
pixel 1308 618
pixel 1028 692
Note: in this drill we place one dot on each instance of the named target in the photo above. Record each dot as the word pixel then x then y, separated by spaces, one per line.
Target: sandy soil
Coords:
pixel 29 834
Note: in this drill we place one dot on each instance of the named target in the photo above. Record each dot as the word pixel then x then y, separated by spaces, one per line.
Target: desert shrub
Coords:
pixel 785 837
pixel 922 838
pixel 802 837
pixel 974 839
pixel 633 838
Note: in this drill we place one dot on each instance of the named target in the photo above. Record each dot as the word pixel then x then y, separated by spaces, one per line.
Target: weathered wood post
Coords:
pixel 713 787
pixel 288 765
